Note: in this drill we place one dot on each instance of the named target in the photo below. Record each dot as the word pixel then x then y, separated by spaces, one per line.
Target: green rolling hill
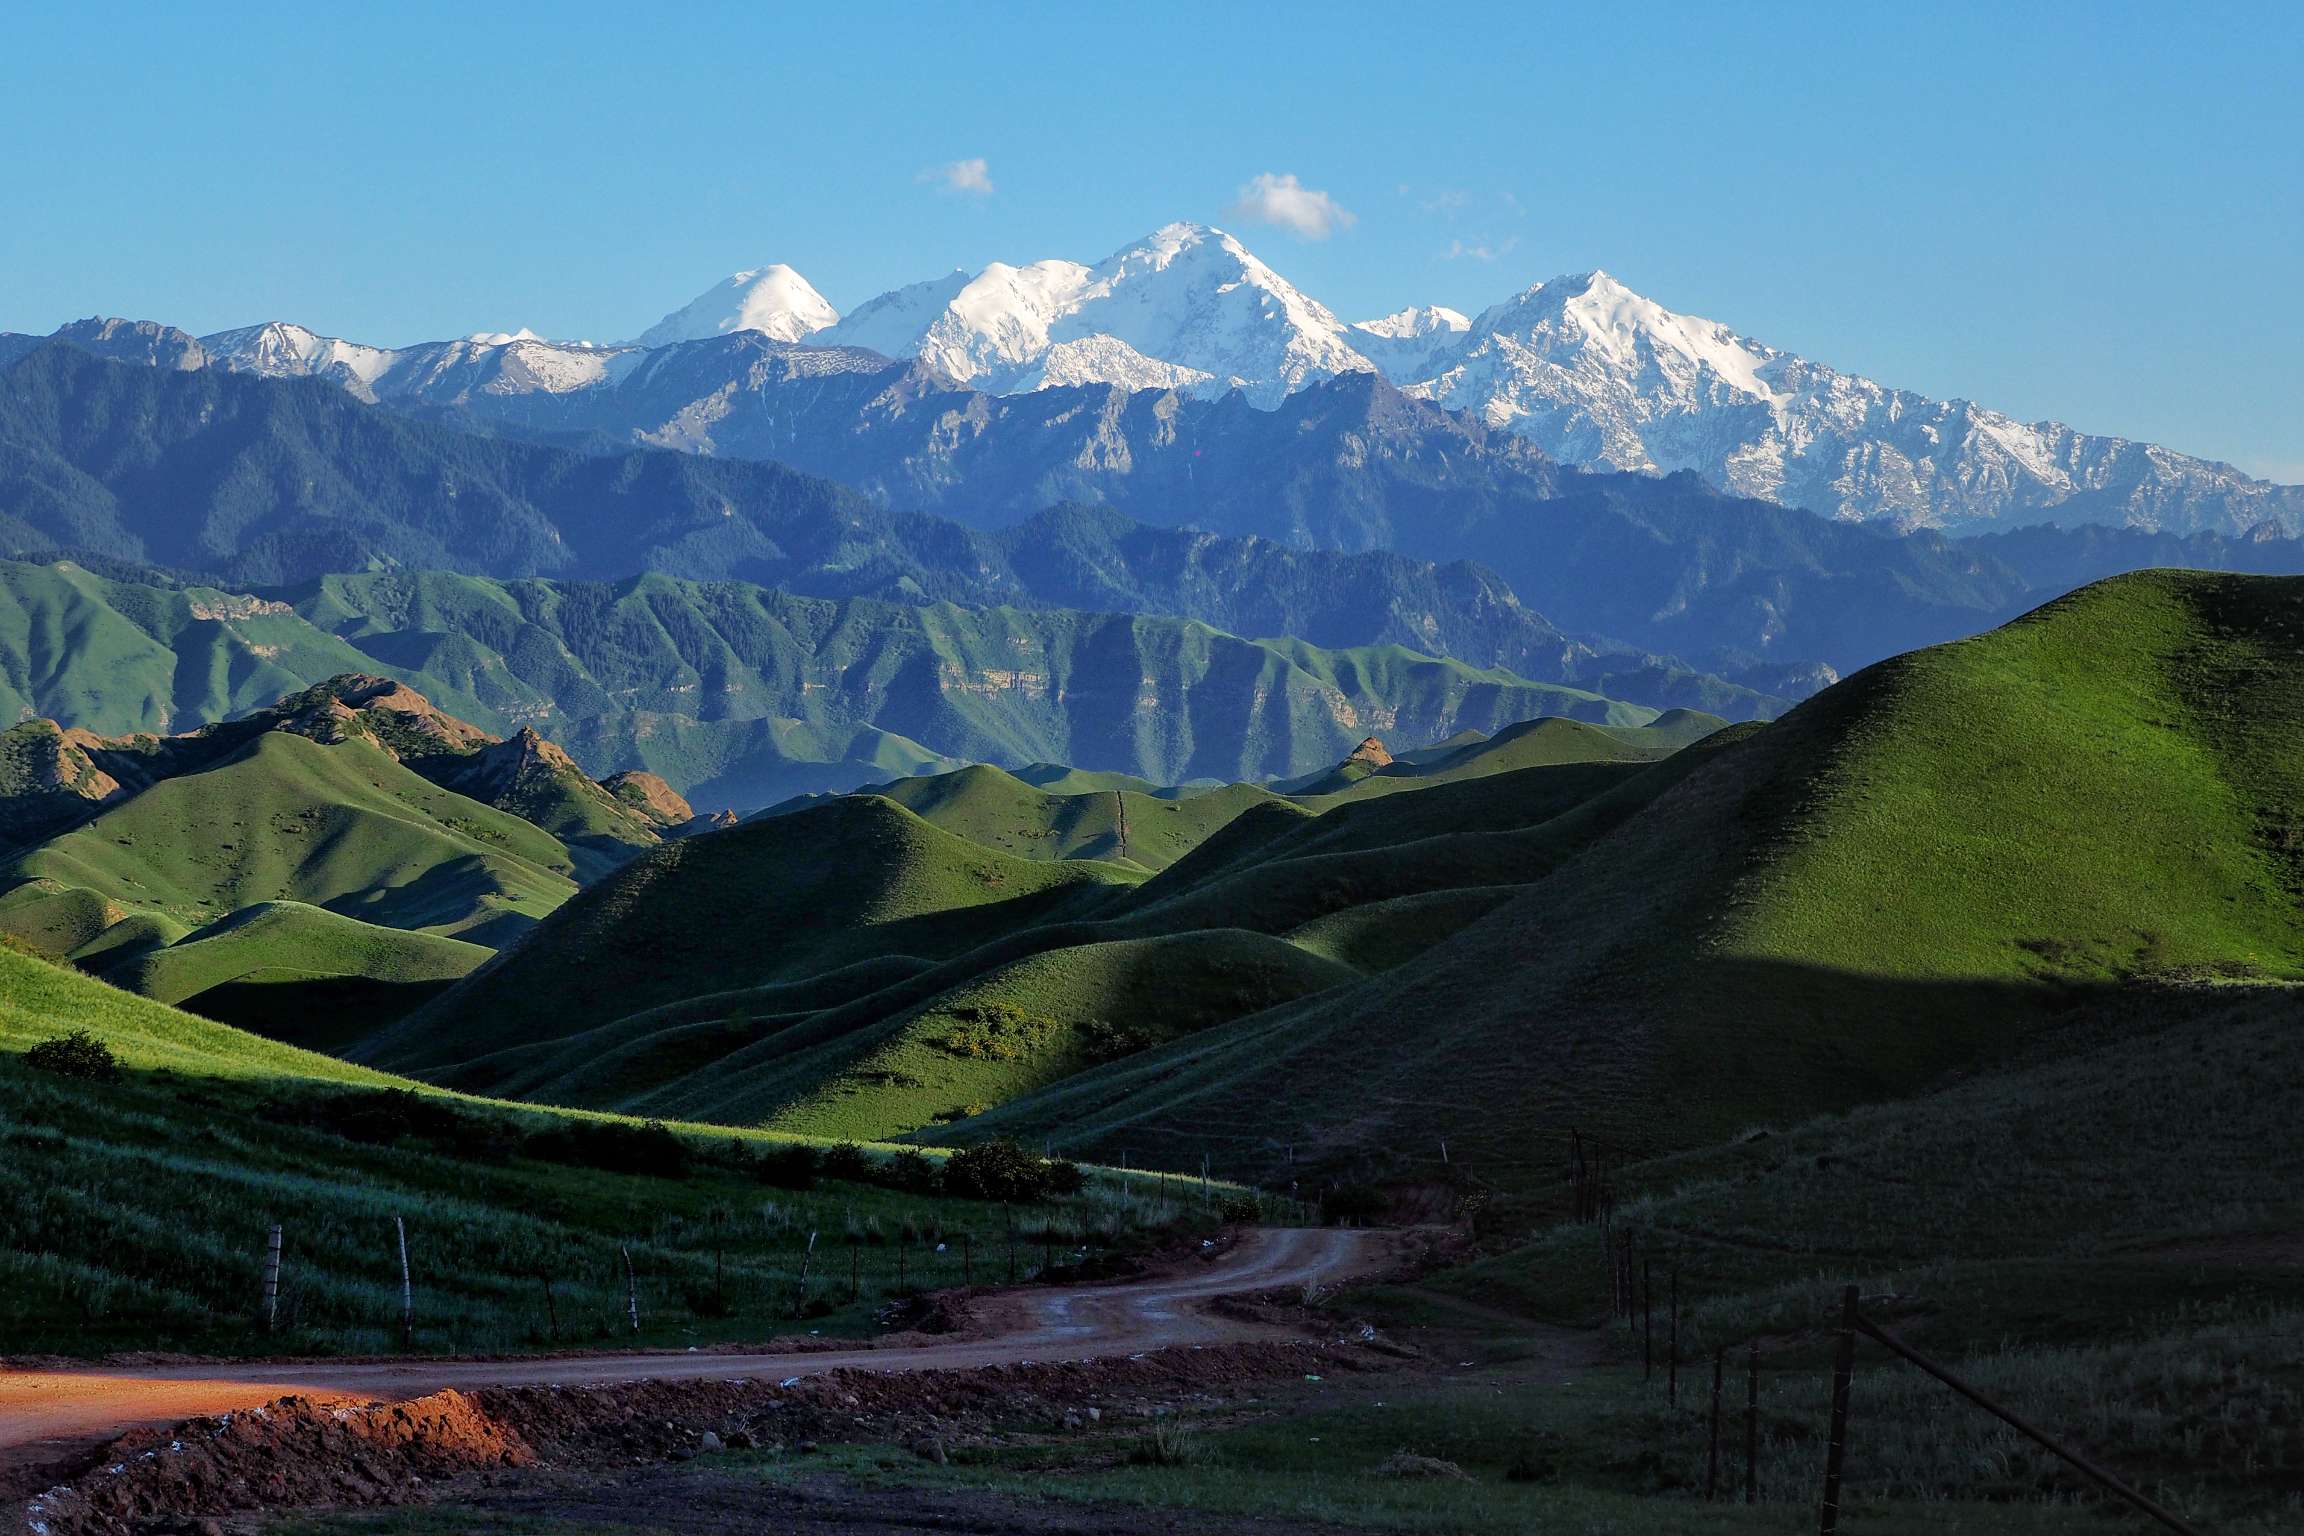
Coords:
pixel 771 902
pixel 309 869
pixel 289 819
pixel 1910 875
pixel 1128 826
pixel 925 949
pixel 1906 876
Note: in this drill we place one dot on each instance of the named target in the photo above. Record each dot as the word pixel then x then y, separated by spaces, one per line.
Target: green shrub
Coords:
pixel 1064 1177
pixel 650 1149
pixel 1240 1208
pixel 996 1170
pixel 912 1170
pixel 846 1161
pixel 78 1054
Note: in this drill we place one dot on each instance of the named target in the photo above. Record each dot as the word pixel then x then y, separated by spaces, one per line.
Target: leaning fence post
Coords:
pixel 407 1289
pixel 967 1258
pixel 1712 1454
pixel 631 1288
pixel 1836 1447
pixel 800 1302
pixel 551 1308
pixel 272 1279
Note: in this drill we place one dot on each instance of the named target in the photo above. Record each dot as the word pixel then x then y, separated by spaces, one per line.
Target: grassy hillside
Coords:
pixel 115 657
pixel 1523 744
pixel 2124 1166
pixel 964 1004
pixel 770 901
pixel 1121 826
pixel 289 971
pixel 137 1209
pixel 1906 876
pixel 323 846
pixel 289 819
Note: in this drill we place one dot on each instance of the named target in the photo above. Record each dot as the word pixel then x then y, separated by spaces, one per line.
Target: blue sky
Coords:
pixel 2087 212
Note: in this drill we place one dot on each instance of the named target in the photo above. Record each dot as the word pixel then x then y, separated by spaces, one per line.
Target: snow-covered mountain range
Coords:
pixel 1588 370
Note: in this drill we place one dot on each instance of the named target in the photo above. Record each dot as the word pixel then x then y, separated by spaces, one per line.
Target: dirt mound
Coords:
pixel 298 1453
pixel 292 1453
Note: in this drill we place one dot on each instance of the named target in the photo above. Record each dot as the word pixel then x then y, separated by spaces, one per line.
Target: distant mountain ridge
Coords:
pixel 1594 373
pixel 252 481
pixel 739 696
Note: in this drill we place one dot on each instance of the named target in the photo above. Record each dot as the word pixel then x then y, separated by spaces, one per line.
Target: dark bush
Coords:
pixel 913 1171
pixel 614 1147
pixel 381 1118
pixel 1240 1208
pixel 790 1167
pixel 390 1116
pixel 77 1055
pixel 995 1170
pixel 1064 1177
pixel 846 1160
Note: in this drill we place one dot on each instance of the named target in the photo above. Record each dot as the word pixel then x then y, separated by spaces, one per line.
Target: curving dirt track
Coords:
pixel 47 1415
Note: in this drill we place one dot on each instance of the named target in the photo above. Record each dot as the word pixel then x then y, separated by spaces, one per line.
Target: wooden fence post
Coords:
pixel 272 1279
pixel 800 1302
pixel 967 1258
pixel 1752 1427
pixel 855 1268
pixel 1712 1456
pixel 551 1308
pixel 407 1289
pixel 1836 1447
pixel 631 1287
pixel 1672 1355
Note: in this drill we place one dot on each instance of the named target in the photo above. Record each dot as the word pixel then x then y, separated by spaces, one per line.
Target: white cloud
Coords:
pixel 1288 203
pixel 1481 250
pixel 971 176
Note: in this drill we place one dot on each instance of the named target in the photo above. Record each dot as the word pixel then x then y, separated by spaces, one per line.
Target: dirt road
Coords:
pixel 47 1415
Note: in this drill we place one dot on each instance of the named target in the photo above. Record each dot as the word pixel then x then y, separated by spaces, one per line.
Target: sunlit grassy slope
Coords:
pixel 288 819
pixel 136 1210
pixel 989 984
pixel 1905 876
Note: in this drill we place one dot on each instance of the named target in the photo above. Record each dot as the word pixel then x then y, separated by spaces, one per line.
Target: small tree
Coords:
pixel 77 1055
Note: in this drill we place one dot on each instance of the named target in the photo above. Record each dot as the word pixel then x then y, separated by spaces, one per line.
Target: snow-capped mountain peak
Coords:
pixel 1412 343
pixel 774 300
pixel 1415 322
pixel 1591 371
pixel 1187 306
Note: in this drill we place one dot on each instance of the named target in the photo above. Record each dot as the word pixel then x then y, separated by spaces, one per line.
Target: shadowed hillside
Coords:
pixel 1901 878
